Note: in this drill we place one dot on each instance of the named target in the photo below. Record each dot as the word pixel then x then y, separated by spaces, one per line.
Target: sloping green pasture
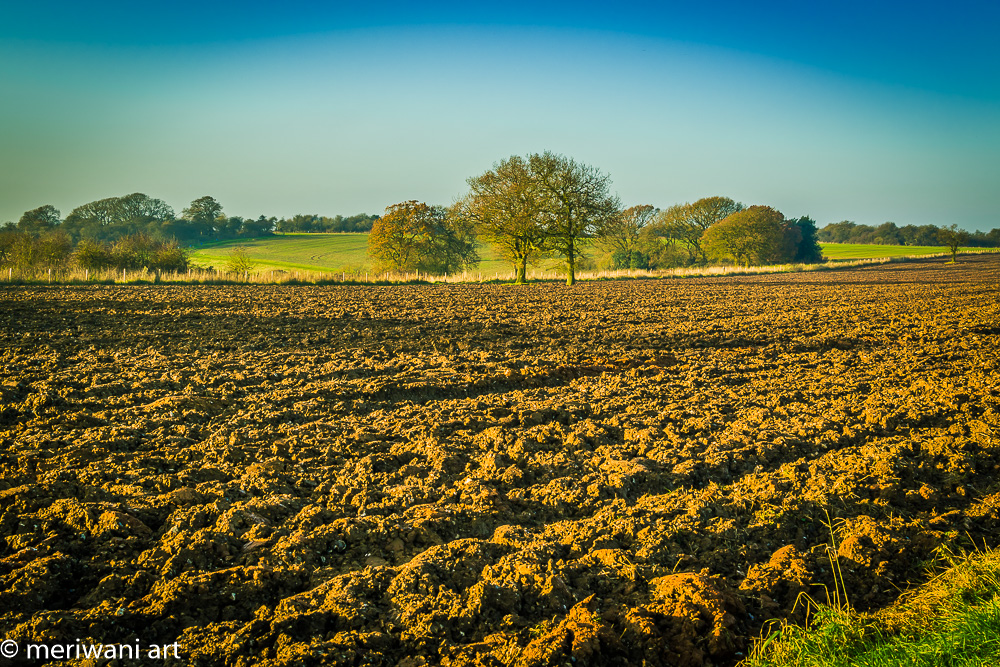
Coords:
pixel 333 253
pixel 309 252
pixel 870 250
pixel 348 253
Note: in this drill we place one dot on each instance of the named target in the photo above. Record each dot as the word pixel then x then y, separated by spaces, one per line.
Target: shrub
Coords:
pixel 26 252
pixel 92 255
pixel 635 259
pixel 133 252
pixel 239 260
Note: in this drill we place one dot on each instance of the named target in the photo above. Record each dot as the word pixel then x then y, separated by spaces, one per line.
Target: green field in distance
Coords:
pixel 312 252
pixel 348 253
pixel 870 250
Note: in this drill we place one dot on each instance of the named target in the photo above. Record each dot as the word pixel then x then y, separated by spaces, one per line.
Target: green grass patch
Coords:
pixel 870 251
pixel 333 253
pixel 953 621
pixel 309 252
pixel 336 253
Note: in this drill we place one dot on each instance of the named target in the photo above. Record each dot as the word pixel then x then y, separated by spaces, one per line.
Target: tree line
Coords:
pixel 107 220
pixel 890 234
pixel 546 205
pixel 528 208
pixel 312 224
pixel 28 252
pixel 137 231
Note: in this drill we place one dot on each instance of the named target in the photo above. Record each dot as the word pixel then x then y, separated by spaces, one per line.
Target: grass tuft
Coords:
pixel 951 621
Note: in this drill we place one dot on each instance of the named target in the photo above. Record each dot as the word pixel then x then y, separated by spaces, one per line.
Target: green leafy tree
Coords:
pixel 450 245
pixel 622 233
pixel 888 234
pixel 837 232
pixel 414 236
pixel 675 225
pixel 925 235
pixel 138 209
pixel 230 227
pixel 687 223
pixel 205 216
pixel 575 200
pixel 954 238
pixel 660 250
pixel 262 226
pixel 806 249
pixel 753 235
pixel 395 240
pixel 111 218
pixel 709 210
pixel 39 220
pixel 506 207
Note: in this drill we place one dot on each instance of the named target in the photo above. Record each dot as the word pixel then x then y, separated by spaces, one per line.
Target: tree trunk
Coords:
pixel 570 266
pixel 521 270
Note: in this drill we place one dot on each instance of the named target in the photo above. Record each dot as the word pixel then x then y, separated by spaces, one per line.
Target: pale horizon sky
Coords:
pixel 865 112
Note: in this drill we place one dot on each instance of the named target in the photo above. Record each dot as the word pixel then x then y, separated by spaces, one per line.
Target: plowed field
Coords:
pixel 617 473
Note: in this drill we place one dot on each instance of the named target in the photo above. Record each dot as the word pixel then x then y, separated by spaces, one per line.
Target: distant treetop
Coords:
pixel 890 234
pixel 361 222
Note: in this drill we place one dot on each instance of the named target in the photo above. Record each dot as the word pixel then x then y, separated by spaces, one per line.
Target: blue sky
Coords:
pixel 848 110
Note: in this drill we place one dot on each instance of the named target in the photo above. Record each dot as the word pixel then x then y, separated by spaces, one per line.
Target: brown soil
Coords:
pixel 617 473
